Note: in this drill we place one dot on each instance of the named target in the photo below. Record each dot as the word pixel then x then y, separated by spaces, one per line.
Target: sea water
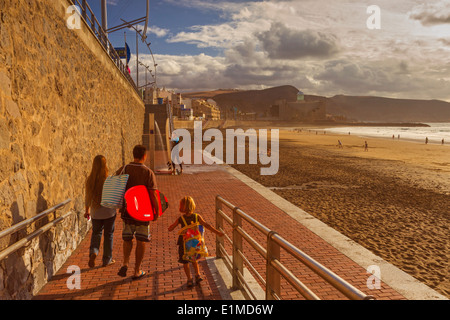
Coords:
pixel 435 132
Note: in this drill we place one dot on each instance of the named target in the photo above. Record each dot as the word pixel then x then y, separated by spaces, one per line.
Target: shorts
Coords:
pixel 141 233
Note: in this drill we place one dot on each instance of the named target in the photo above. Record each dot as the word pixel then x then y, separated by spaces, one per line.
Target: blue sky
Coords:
pixel 319 46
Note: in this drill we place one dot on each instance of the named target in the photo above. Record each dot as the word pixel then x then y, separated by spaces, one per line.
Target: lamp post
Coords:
pixel 104 17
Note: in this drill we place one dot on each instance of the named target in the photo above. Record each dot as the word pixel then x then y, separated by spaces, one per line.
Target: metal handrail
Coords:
pixel 96 28
pixel 274 267
pixel 23 224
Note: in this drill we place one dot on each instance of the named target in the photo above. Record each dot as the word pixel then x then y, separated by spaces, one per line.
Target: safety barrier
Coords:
pixel 96 28
pixel 23 224
pixel 274 267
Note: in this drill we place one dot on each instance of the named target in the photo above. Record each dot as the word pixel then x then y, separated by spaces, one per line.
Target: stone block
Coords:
pixel 6 164
pixel 12 108
pixel 5 84
pixel 5 136
pixel 6 197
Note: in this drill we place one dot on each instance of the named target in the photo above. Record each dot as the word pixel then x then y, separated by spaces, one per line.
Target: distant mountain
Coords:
pixel 387 109
pixel 255 100
pixel 207 94
pixel 358 108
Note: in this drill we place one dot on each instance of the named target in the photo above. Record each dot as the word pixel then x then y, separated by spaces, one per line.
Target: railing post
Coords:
pixel 272 275
pixel 238 263
pixel 83 10
pixel 219 226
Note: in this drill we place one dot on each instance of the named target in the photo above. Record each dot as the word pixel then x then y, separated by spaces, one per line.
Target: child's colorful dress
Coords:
pixel 192 241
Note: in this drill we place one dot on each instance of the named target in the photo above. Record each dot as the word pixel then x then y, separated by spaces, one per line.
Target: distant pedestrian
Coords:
pixel 426 140
pixel 103 219
pixel 340 144
pixel 442 141
pixel 175 156
pixel 366 146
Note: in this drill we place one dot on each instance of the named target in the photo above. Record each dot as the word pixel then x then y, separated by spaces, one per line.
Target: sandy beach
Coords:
pixel 393 199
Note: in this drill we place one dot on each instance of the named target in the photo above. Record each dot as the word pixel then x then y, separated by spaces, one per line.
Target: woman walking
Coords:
pixel 103 219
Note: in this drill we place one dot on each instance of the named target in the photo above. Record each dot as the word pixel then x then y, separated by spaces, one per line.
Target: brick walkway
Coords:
pixel 165 279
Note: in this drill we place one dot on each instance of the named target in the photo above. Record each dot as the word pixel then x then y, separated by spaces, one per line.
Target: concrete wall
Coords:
pixel 62 102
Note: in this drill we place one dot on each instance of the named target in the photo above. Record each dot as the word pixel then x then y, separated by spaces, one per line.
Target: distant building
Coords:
pixel 205 109
pixel 157 96
pixel 299 110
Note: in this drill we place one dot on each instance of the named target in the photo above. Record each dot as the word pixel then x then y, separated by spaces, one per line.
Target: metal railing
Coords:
pixel 96 28
pixel 274 267
pixel 23 224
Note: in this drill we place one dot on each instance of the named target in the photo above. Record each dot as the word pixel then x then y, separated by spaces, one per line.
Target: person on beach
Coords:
pixel 187 208
pixel 139 174
pixel 340 144
pixel 442 141
pixel 366 146
pixel 426 140
pixel 103 219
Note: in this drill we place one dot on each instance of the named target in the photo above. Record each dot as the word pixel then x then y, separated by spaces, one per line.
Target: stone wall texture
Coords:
pixel 62 102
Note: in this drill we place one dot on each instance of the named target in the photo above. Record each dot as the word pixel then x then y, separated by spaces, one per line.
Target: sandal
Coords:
pixel 123 271
pixel 110 262
pixel 143 273
pixel 190 283
pixel 198 279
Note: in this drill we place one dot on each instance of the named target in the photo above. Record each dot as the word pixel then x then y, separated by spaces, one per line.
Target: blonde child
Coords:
pixel 187 207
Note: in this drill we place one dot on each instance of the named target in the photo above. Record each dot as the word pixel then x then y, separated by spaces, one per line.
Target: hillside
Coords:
pixel 207 94
pixel 255 100
pixel 359 108
pixel 387 109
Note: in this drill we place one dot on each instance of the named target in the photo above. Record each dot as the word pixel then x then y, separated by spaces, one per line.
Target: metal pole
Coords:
pixel 273 277
pixel 219 226
pixel 238 262
pixel 151 140
pixel 104 17
pixel 137 60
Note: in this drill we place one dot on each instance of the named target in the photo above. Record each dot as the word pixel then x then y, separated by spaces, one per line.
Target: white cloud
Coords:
pixel 319 46
pixel 281 42
pixel 159 32
pixel 432 13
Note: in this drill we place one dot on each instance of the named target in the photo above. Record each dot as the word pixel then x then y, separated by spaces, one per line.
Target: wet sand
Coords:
pixel 393 199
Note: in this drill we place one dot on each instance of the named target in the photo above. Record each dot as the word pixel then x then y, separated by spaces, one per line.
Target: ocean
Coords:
pixel 435 132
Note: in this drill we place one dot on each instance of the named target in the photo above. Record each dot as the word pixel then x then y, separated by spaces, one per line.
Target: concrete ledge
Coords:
pixel 397 279
pixel 224 281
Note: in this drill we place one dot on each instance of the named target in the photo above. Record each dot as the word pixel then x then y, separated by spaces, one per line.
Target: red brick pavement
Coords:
pixel 165 279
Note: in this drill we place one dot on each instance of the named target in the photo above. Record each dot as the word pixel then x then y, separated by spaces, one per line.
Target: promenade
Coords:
pixel 165 278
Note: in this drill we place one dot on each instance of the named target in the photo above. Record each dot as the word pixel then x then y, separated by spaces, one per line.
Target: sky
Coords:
pixel 321 47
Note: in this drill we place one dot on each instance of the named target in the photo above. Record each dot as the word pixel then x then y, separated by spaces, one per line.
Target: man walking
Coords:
pixel 139 174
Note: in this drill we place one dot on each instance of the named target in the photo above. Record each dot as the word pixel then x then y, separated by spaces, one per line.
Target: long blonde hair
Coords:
pixel 187 205
pixel 96 179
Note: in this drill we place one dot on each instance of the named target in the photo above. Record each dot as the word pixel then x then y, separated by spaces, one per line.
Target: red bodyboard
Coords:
pixel 139 205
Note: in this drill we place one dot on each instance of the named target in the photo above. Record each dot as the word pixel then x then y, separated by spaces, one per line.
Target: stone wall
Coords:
pixel 62 102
